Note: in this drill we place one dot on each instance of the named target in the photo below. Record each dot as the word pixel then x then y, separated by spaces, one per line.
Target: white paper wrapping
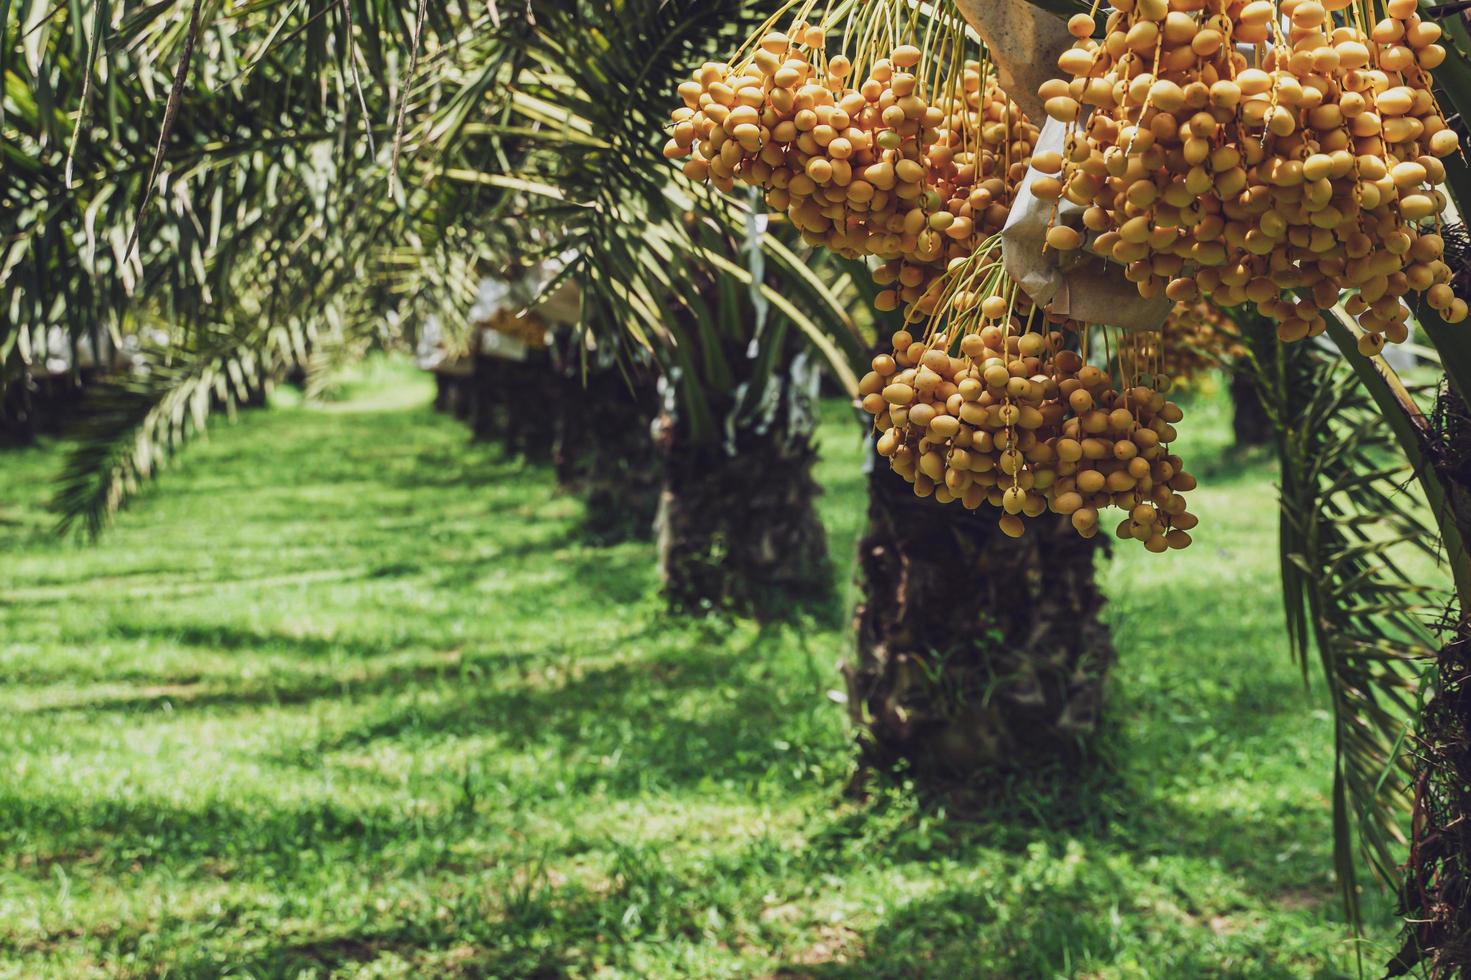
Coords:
pixel 1024 42
pixel 1079 284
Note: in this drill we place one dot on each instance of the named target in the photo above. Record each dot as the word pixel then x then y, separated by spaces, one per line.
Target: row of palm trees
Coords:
pixel 291 186
pixel 290 217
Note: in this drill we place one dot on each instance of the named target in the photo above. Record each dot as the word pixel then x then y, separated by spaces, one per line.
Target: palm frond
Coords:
pixel 575 142
pixel 270 218
pixel 1349 525
pixel 134 424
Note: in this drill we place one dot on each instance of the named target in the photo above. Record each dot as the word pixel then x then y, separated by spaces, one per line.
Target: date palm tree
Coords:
pixel 978 655
pixel 544 125
pixel 170 183
pixel 725 309
pixel 537 130
pixel 236 179
pixel 1345 521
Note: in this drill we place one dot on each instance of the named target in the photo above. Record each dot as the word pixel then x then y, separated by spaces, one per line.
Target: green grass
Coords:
pixel 344 695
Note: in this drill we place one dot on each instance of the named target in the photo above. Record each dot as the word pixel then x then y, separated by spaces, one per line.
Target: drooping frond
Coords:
pixel 269 217
pixel 219 172
pixel 1353 535
pixel 135 423
pixel 570 158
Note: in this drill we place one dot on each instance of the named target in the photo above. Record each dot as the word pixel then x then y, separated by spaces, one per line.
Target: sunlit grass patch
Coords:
pixel 345 694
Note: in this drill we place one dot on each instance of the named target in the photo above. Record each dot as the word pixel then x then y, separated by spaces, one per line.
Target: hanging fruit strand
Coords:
pixel 903 149
pixel 1310 170
pixel 993 403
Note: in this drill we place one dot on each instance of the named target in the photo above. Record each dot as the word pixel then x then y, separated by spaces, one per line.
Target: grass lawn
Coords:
pixel 343 695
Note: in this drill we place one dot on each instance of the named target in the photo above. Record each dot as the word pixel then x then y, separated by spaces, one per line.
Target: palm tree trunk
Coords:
pixel 517 403
pixel 40 404
pixel 740 531
pixel 18 412
pixel 1250 422
pixel 449 392
pixel 1435 896
pixel 604 451
pixel 976 653
pixel 488 405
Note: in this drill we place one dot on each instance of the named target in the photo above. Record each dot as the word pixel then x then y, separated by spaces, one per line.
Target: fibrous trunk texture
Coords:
pixel 977 654
pixel 515 403
pixel 1250 422
pixel 452 393
pixel 18 412
pixel 739 530
pixel 489 398
pixel 1436 894
pixel 604 451
pixel 33 406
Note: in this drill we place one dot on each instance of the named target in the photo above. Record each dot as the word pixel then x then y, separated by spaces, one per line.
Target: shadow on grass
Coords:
pixel 991 931
pixel 655 719
pixel 623 729
pixel 233 837
pixel 465 665
pixel 1103 812
pixel 237 638
pixel 529 929
pixel 458 466
pixel 176 695
pixel 1058 900
pixel 652 716
pixel 1061 898
pixel 641 714
pixel 619 576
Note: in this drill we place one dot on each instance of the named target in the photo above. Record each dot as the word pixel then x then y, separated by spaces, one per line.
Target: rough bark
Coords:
pixel 449 392
pixel 1250 422
pixel 488 406
pixel 740 531
pixel 455 389
pixel 977 654
pixel 35 406
pixel 516 403
pixel 604 451
pixel 18 412
pixel 1435 896
pixel 1024 42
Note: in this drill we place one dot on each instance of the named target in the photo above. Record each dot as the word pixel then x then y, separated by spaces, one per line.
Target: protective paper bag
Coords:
pixel 1024 42
pixel 1078 284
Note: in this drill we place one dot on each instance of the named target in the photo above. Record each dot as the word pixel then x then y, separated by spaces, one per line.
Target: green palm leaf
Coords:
pixel 1348 527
